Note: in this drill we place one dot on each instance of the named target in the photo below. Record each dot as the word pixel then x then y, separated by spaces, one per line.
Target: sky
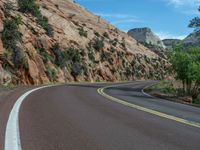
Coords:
pixel 166 18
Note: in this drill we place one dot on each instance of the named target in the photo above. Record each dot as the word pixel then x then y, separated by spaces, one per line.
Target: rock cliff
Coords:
pixel 62 42
pixel 146 37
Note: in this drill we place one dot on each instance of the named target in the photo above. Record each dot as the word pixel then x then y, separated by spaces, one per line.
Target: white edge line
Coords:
pixel 143 92
pixel 12 135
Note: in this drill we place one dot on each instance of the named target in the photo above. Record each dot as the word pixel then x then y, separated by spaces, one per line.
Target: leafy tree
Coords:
pixel 195 23
pixel 186 67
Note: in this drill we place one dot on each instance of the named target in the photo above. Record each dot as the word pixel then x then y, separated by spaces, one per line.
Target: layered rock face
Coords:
pixel 145 35
pixel 83 47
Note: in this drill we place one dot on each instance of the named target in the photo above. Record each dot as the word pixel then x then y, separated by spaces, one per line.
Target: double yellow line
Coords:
pixel 147 110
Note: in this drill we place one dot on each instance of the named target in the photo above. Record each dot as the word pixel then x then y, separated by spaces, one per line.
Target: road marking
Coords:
pixel 12 137
pixel 147 110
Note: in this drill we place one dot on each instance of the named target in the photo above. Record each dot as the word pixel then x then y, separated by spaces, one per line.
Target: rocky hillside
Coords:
pixel 47 41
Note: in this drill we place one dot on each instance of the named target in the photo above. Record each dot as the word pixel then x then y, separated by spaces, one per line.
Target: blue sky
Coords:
pixel 167 18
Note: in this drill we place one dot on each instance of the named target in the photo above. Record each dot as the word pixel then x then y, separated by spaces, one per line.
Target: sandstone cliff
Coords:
pixel 75 45
pixel 146 37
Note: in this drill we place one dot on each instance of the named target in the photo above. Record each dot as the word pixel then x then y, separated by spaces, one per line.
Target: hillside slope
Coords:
pixel 75 45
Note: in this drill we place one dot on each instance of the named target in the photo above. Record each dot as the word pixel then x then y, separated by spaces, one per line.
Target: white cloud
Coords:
pixel 167 35
pixel 187 7
pixel 179 3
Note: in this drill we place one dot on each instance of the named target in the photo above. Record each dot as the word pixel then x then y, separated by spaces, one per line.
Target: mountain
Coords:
pixel 48 41
pixel 145 35
pixel 169 42
pixel 192 40
pixel 147 38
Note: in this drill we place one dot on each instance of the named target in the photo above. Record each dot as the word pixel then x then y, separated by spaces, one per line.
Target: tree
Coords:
pixel 195 23
pixel 185 65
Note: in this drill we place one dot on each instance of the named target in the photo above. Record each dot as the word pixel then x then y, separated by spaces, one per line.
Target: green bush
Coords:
pixel 76 69
pixel 196 101
pixel 97 34
pixel 44 55
pixel 10 34
pixel 29 6
pixel 98 44
pixel 59 61
pixel 51 73
pixel 7 9
pixel 82 32
pixel 43 21
pixel 106 35
pixel 91 55
pixel 114 42
pixel 72 54
pixel 128 72
pixel 105 56
pixel 10 37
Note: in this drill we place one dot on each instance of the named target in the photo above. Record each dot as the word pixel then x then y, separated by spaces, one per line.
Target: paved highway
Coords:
pixel 90 117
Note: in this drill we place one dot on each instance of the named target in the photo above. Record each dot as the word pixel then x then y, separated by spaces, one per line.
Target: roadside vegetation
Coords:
pixel 185 67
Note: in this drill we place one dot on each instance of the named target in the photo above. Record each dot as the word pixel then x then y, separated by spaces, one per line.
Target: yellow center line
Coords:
pixel 147 110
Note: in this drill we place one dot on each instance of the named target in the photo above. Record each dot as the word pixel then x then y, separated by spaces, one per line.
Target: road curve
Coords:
pixel 76 117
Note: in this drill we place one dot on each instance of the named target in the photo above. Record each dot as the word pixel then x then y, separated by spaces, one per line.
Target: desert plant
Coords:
pixel 96 33
pixel 29 6
pixel 51 73
pixel 98 44
pixel 10 34
pixel 105 34
pixel 59 61
pixel 82 32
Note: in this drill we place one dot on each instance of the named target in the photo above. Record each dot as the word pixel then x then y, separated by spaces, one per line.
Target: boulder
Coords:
pixel 5 77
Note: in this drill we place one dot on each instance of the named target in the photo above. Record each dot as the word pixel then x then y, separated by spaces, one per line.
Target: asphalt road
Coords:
pixel 77 117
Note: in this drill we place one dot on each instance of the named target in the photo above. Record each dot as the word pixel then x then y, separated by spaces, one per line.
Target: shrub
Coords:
pixel 76 69
pixel 43 21
pixel 10 37
pixel 128 72
pixel 105 56
pixel 97 34
pixel 72 55
pixel 44 55
pixel 98 44
pixel 112 49
pixel 19 58
pixel 91 55
pixel 58 54
pixel 196 101
pixel 7 8
pixel 10 34
pixel 29 6
pixel 51 73
pixel 106 35
pixel 82 32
